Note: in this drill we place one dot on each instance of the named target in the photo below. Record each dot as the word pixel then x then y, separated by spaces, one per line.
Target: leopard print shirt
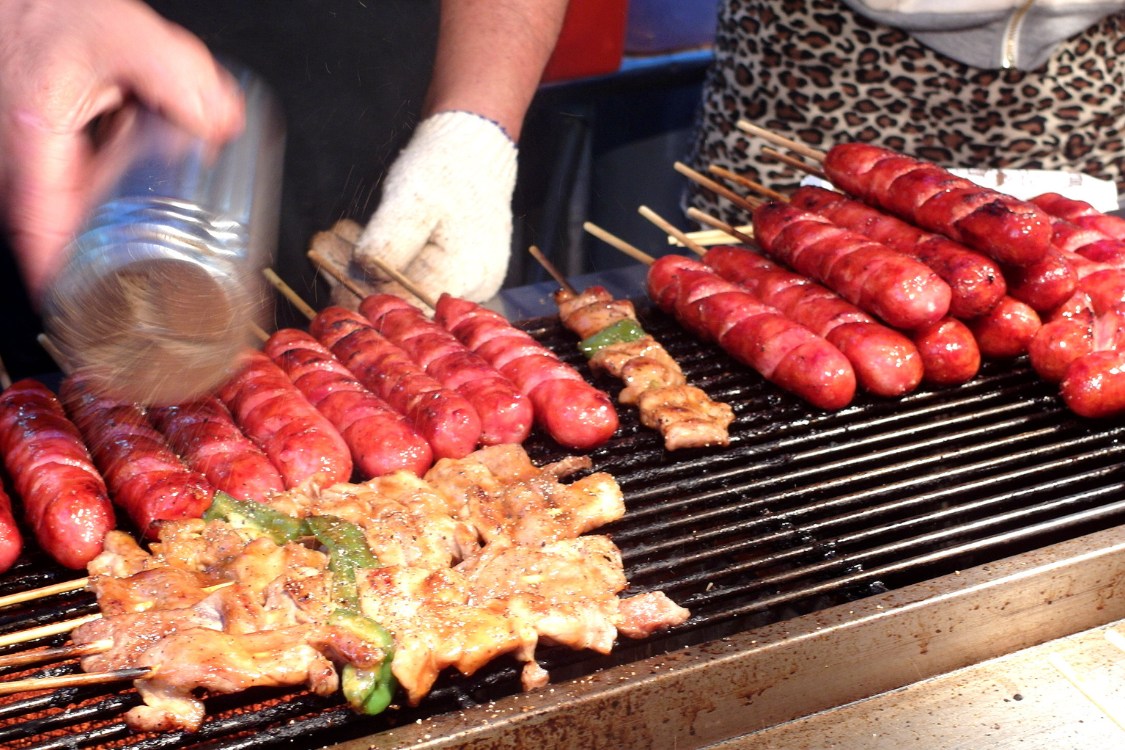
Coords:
pixel 818 73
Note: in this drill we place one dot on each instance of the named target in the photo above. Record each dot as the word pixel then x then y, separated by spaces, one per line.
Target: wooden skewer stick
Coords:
pixel 801 148
pixel 746 182
pixel 711 221
pixel 55 588
pixel 324 264
pixel 800 164
pixel 259 333
pixel 288 292
pixel 21 658
pixel 671 229
pixel 45 631
pixel 551 269
pixel 72 680
pixel 632 251
pixel 748 204
pixel 407 284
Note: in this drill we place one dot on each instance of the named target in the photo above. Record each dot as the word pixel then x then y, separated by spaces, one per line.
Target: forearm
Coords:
pixel 491 55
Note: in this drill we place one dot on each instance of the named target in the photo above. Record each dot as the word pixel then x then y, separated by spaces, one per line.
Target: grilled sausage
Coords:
pixel 506 414
pixel 1005 331
pixel 1043 285
pixel 1094 384
pixel 1067 335
pixel 885 361
pixel 1010 231
pixel 976 282
pixel 65 500
pixel 781 350
pixel 574 413
pixel 1082 214
pixel 447 421
pixel 144 476
pixel 894 288
pixel 207 438
pixel 950 354
pixel 300 441
pixel 11 543
pixel 381 440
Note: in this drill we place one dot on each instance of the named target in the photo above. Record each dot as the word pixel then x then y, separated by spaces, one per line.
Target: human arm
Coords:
pixel 63 65
pixel 445 219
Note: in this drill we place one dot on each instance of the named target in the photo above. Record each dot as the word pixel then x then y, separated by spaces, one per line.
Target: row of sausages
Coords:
pixel 358 394
pixel 917 279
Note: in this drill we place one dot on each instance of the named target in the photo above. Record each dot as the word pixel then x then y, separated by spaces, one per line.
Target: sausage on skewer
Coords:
pixel 506 415
pixel 205 435
pixel 443 417
pixel 65 500
pixel 902 292
pixel 782 351
pixel 381 440
pixel 573 412
pixel 300 441
pixel 143 474
pixel 11 543
pixel 886 362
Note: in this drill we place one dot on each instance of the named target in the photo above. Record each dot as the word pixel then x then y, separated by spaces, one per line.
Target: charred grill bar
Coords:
pixel 889 541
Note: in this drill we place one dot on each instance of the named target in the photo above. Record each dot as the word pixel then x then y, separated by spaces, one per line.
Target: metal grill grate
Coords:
pixel 805 510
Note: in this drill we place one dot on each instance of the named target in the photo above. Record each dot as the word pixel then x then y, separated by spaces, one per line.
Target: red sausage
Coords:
pixel 447 421
pixel 573 412
pixel 11 544
pixel 1043 285
pixel 300 441
pixel 205 435
pixel 1106 288
pixel 1008 230
pixel 950 354
pixel 782 351
pixel 143 474
pixel 886 362
pixel 899 290
pixel 976 282
pixel 1094 385
pixel 1067 335
pixel 381 440
pixel 65 500
pixel 506 414
pixel 1005 331
pixel 1082 213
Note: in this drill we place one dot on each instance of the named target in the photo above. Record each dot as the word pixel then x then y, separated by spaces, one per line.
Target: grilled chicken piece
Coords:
pixel 683 414
pixel 433 624
pixel 155 588
pixel 644 614
pixel 219 662
pixel 405 520
pixel 507 499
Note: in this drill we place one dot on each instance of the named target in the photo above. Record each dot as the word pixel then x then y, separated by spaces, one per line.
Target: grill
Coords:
pixel 889 540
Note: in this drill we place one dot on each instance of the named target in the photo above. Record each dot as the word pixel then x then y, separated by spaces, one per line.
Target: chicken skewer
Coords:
pixel 614 342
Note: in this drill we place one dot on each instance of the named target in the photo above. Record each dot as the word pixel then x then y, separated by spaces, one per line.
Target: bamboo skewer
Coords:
pixel 45 631
pixel 328 266
pixel 671 229
pixel 804 166
pixel 746 182
pixel 321 261
pixel 54 588
pixel 551 269
pixel 801 148
pixel 722 226
pixel 289 293
pixel 21 658
pixel 72 680
pixel 632 251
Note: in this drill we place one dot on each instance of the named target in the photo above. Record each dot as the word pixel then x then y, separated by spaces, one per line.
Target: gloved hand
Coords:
pixel 445 220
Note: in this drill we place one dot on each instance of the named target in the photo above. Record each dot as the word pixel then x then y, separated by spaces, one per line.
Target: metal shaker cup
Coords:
pixel 163 285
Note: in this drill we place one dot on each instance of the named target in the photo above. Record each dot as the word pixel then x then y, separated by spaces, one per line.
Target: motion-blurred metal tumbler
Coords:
pixel 163 285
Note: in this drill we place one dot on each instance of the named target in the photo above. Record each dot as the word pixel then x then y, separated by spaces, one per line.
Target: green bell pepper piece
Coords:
pixel 347 553
pixel 367 690
pixel 620 332
pixel 249 514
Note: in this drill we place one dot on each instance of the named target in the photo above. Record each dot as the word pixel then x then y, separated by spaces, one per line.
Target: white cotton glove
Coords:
pixel 445 220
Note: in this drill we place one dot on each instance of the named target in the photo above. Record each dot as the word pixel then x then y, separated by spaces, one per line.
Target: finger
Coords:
pixel 173 72
pixel 395 235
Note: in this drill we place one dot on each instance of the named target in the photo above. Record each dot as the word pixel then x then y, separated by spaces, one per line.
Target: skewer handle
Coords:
pixel 71 680
pixel 288 292
pixel 551 269
pixel 632 251
pixel 55 588
pixel 671 229
pixel 801 148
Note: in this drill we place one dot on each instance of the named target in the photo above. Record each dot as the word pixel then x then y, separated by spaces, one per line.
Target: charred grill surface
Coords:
pixel 803 511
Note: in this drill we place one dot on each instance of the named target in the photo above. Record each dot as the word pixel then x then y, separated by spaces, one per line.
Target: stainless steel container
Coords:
pixel 163 285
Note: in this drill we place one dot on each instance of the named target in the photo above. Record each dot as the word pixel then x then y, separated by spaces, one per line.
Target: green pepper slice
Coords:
pixel 249 514
pixel 347 553
pixel 622 331
pixel 367 690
